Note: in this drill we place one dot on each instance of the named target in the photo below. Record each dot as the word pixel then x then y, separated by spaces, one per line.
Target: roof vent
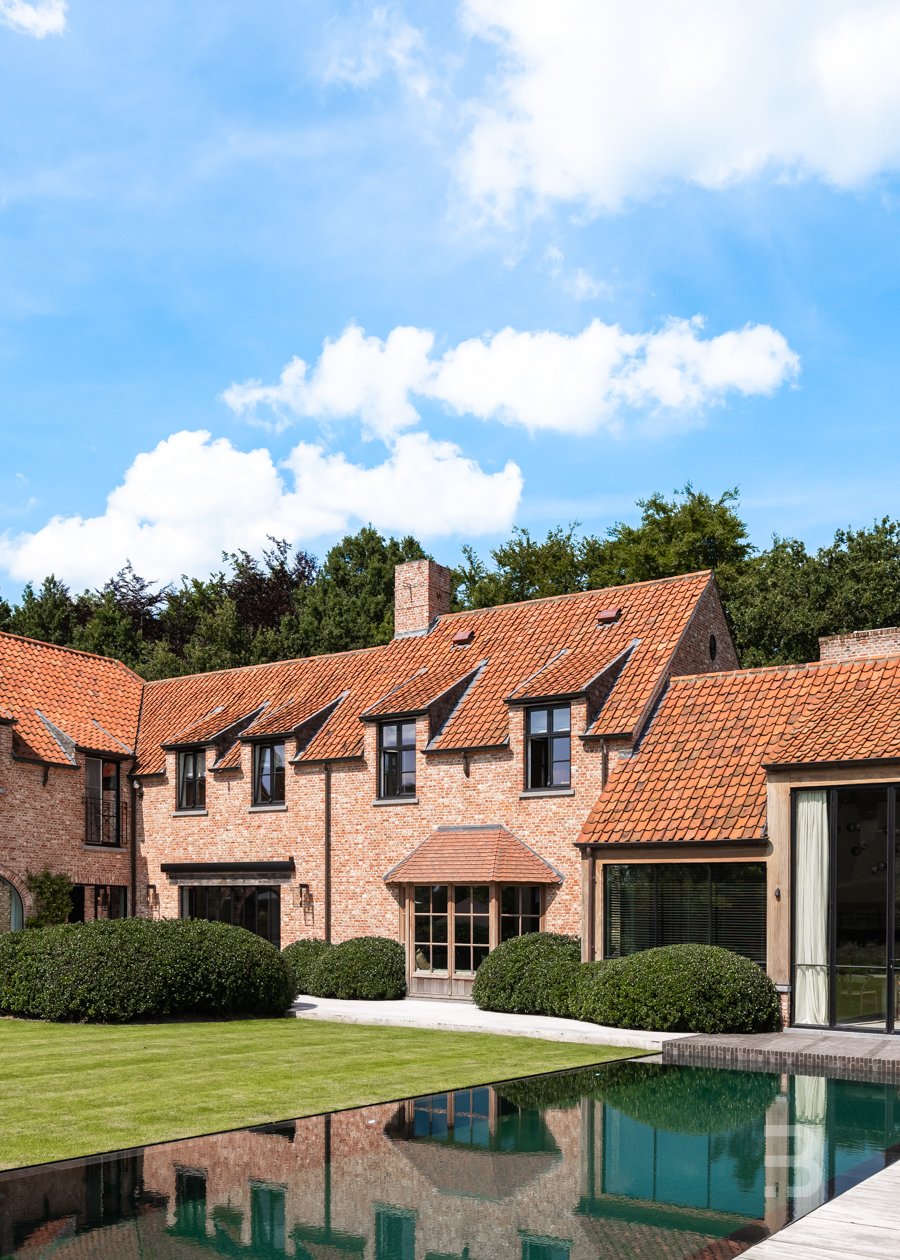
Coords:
pixel 607 616
pixel 463 638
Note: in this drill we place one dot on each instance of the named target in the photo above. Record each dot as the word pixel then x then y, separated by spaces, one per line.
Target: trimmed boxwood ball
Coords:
pixel 114 971
pixel 678 988
pixel 301 957
pixel 367 968
pixel 534 974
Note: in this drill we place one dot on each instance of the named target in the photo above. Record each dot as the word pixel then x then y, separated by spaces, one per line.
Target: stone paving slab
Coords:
pixel 452 1016
pixel 861 1224
pixel 844 1055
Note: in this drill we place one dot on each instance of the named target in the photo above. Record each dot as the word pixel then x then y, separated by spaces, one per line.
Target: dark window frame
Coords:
pixel 541 759
pixel 191 787
pixel 209 902
pixel 266 765
pixel 103 827
pixel 660 916
pixel 396 739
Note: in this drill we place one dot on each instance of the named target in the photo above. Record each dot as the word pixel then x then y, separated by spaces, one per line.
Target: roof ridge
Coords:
pixel 594 590
pixel 64 647
pixel 787 667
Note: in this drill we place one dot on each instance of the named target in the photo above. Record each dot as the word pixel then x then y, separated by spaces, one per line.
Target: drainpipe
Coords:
pixel 327 915
pixel 132 834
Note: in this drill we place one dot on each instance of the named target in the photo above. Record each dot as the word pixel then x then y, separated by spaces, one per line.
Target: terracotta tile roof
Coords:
pixel 861 723
pixel 207 728
pixel 59 697
pixel 427 685
pixel 513 640
pixel 699 773
pixel 473 855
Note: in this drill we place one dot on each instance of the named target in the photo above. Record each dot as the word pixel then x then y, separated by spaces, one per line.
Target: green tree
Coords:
pixel 52 895
pixel 50 613
pixel 351 602
pixel 689 532
pixel 525 569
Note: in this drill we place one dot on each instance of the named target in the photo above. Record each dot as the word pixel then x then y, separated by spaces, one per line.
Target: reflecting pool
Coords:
pixel 627 1159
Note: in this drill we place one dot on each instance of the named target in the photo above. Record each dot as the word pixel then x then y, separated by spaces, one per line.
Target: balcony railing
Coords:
pixel 104 822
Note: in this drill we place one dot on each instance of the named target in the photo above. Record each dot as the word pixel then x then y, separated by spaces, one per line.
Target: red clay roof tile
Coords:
pixel 93 701
pixel 699 774
pixel 473 855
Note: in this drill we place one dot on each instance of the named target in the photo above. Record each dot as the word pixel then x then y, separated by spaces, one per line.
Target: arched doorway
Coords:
pixel 11 914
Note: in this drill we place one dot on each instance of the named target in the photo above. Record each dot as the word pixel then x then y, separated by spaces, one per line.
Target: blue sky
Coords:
pixel 287 267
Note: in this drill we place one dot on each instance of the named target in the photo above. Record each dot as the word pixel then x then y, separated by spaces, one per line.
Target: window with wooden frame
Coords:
pixel 397 759
pixel 192 780
pixel 548 747
pixel 455 926
pixel 268 774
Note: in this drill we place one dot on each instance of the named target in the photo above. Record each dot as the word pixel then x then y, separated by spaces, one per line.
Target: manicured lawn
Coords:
pixel 76 1089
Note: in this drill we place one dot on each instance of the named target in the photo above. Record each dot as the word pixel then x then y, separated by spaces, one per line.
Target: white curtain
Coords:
pixel 809 1183
pixel 811 909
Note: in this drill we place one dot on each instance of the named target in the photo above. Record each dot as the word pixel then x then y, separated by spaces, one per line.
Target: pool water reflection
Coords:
pixel 629 1159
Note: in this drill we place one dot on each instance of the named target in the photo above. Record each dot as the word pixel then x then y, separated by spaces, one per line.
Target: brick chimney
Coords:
pixel 860 644
pixel 421 593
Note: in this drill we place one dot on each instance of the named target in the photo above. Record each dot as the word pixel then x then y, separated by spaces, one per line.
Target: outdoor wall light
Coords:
pixel 777 894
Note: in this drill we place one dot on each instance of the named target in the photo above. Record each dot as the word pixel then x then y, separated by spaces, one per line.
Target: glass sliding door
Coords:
pixel 811 861
pixel 861 908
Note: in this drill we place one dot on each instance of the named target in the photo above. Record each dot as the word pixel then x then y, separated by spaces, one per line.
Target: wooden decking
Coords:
pixel 810 1052
pixel 861 1224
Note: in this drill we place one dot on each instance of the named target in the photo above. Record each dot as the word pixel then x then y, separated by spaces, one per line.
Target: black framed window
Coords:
pixel 397 757
pixel 192 779
pixel 520 910
pixel 254 907
pixel 548 747
pixel 703 903
pixel 268 774
pixel 110 901
pixel 102 809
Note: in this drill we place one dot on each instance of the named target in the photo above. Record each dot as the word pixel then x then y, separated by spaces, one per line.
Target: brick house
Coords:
pixel 760 813
pixel 68 727
pixel 430 789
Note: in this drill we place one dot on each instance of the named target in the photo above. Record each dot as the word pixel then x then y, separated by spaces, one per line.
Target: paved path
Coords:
pixel 804 1051
pixel 466 1017
pixel 861 1224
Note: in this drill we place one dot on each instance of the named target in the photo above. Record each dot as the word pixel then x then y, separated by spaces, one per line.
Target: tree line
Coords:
pixel 287 603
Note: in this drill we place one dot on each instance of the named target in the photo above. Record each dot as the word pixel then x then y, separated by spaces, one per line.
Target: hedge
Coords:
pixel 301 957
pixel 114 971
pixel 678 988
pixel 366 968
pixel 534 974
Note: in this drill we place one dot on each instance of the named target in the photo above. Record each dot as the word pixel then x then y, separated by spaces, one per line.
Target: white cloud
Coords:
pixel 541 380
pixel 355 375
pixel 193 496
pixel 599 101
pixel 34 17
pixel 387 43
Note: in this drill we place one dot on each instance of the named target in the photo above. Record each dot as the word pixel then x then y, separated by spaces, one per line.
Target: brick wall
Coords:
pixel 42 825
pixel 694 654
pixel 861 643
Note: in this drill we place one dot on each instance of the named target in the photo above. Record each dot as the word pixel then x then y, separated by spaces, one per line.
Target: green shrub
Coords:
pixel 113 971
pixel 52 895
pixel 366 968
pixel 535 974
pixel 678 988
pixel 301 957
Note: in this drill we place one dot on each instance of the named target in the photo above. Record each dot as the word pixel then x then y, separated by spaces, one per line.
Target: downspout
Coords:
pixel 132 837
pixel 327 915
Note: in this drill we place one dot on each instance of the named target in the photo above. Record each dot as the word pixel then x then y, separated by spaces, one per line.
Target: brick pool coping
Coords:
pixel 808 1052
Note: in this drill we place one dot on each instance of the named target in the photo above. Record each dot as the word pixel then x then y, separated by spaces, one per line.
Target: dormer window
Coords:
pixel 192 780
pixel 397 759
pixel 268 774
pixel 548 747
